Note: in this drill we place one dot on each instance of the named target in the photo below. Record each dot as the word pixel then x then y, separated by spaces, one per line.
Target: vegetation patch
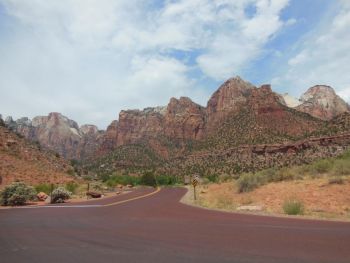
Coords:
pixel 59 195
pixel 293 207
pixel 17 193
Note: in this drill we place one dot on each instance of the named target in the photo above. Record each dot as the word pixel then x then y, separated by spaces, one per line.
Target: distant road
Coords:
pixel 157 228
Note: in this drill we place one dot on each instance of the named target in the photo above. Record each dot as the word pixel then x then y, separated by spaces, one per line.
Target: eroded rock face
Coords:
pixel 2 123
pixel 322 102
pixel 290 101
pixel 184 119
pixel 181 119
pixel 58 133
pixel 229 97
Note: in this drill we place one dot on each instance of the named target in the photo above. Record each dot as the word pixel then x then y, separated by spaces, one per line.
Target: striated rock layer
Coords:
pixel 60 134
pixel 322 102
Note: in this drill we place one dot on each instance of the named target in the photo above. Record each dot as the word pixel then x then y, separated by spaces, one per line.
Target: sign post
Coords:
pixel 194 184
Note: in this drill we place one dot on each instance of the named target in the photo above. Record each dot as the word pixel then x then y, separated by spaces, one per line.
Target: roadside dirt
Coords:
pixel 319 198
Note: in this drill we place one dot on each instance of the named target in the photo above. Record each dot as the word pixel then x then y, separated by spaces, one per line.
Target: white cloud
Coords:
pixel 91 58
pixel 324 57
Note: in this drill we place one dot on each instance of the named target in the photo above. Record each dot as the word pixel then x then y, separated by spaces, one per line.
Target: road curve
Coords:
pixel 157 228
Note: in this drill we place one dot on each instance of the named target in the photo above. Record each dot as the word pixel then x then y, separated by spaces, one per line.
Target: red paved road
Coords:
pixel 160 229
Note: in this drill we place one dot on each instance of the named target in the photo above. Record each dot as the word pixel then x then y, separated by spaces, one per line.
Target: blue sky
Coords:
pixel 91 59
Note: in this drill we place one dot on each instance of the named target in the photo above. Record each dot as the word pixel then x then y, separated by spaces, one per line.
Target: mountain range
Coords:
pixel 185 137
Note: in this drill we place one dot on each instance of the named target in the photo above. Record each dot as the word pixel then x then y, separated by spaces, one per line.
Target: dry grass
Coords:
pixel 319 198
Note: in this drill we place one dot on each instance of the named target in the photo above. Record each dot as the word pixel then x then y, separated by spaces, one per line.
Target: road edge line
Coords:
pixel 134 198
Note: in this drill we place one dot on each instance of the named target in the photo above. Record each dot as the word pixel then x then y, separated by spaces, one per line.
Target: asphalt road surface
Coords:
pixel 157 228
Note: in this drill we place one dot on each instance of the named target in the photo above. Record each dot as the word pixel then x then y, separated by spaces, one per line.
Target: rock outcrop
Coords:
pixel 290 101
pixel 181 119
pixel 322 102
pixel 58 133
pixel 228 98
pixel 248 158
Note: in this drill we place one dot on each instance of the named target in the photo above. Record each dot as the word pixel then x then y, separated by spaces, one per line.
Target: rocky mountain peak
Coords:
pixel 322 102
pixel 88 129
pixel 290 101
pixel 229 95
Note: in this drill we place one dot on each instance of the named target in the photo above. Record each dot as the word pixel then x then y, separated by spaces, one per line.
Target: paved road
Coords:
pixel 158 228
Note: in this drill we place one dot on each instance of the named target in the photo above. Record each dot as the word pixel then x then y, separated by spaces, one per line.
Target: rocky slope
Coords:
pixel 27 161
pixel 185 137
pixel 322 102
pixel 237 114
pixel 60 134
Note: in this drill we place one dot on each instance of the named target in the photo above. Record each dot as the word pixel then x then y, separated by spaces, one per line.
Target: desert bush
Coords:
pixel 166 180
pixel 322 166
pixel 336 180
pixel 248 182
pixel 213 178
pixel 17 193
pixel 149 179
pixel 114 180
pixel 285 174
pixel 60 194
pixel 341 167
pixel 293 207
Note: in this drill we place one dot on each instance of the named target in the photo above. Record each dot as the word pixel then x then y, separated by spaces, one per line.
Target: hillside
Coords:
pixel 243 128
pixel 26 161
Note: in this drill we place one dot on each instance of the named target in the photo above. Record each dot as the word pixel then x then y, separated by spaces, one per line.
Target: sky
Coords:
pixel 89 59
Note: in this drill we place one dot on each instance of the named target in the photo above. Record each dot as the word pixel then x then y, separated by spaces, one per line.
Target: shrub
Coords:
pixel 59 195
pixel 322 166
pixel 166 180
pixel 336 180
pixel 17 193
pixel 149 179
pixel 112 181
pixel 285 174
pixel 247 182
pixel 293 207
pixel 341 167
pixel 214 178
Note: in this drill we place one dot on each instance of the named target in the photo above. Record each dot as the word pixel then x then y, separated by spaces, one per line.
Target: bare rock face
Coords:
pixel 58 133
pixel 109 141
pixel 91 139
pixel 229 97
pixel 322 102
pixel 184 119
pixel 2 122
pixel 181 119
pixel 134 125
pixel 290 101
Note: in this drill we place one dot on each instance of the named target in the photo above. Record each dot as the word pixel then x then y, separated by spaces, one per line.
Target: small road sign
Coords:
pixel 195 181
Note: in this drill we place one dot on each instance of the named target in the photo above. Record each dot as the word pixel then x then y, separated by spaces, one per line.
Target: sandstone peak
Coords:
pixel 322 102
pixel 291 101
pixel 88 129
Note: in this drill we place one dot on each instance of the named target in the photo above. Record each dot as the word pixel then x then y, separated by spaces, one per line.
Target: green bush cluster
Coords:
pixel 336 167
pixel 148 178
pixel 114 180
pixel 248 182
pixel 17 193
pixel 214 178
pixel 167 180
pixel 293 207
pixel 60 194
